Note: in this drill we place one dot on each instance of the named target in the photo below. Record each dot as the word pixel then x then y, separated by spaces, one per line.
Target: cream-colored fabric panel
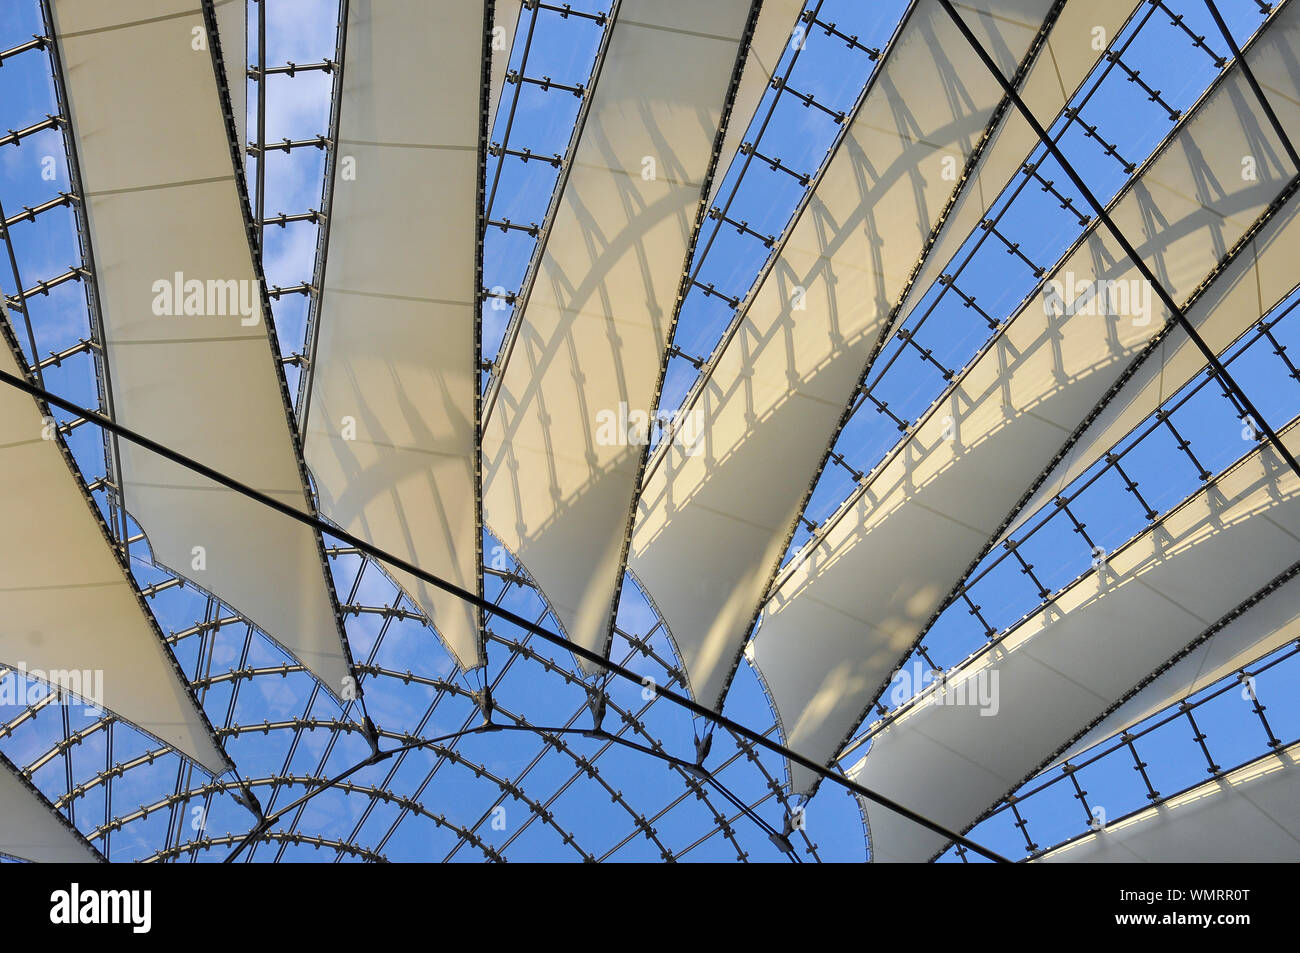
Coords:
pixel 1268 626
pixel 162 202
pixel 505 23
pixel 30 829
pixel 1060 67
pixel 713 518
pixel 1256 281
pixel 848 609
pixel 232 29
pixel 558 482
pixel 1276 71
pixel 390 432
pixel 773 32
pixel 66 601
pixel 1064 666
pixel 1251 815
pixel 1261 276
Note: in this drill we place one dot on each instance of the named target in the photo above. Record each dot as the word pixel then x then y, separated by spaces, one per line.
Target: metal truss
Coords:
pixel 384 794
pixel 1101 212
pixel 1123 747
pixel 1035 594
pixel 210 678
pixel 720 213
pixel 539 233
pixel 851 460
pixel 1029 173
pixel 972 160
pixel 180 799
pixel 423 718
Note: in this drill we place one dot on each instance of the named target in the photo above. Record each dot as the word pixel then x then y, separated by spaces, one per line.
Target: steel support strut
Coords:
pixel 260 212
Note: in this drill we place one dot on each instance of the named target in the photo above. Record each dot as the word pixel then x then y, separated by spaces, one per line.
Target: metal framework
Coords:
pixel 1106 791
pixel 527 758
pixel 855 453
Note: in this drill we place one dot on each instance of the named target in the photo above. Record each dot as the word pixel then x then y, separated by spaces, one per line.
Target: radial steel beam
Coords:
pixel 103 376
pixel 260 212
pixel 312 338
pixel 561 183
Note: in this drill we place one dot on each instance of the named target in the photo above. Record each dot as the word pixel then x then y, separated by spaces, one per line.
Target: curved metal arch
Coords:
pixel 228 840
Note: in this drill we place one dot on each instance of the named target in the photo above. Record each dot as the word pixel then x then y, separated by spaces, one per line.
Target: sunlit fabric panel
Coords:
pixel 232 29
pixel 773 33
pixel 715 513
pixel 1064 61
pixel 1268 626
pixel 847 610
pixel 189 353
pixel 964 744
pixel 505 22
pixel 391 425
pixel 1251 287
pixel 31 829
pixel 565 434
pixel 69 612
pixel 1251 815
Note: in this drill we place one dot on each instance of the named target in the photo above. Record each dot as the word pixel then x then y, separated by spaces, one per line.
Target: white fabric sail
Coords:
pixel 392 421
pixel 847 610
pixel 715 513
pixel 564 432
pixel 71 615
pixel 1251 815
pixel 31 829
pixel 188 349
pixel 950 759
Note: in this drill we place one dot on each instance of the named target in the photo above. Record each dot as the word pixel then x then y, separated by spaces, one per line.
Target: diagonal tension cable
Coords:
pixel 1211 359
pixel 480 602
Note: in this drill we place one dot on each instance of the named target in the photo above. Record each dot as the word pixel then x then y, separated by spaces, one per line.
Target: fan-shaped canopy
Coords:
pixel 649 430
